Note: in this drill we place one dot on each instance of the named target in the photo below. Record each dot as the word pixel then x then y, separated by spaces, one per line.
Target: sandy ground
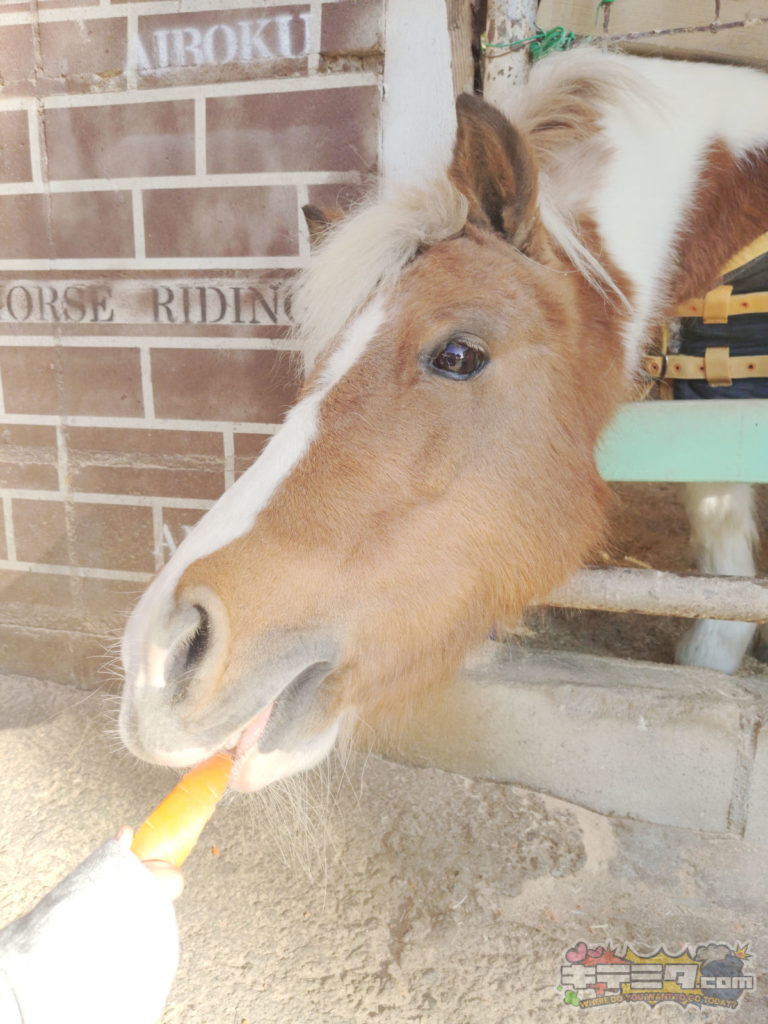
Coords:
pixel 373 891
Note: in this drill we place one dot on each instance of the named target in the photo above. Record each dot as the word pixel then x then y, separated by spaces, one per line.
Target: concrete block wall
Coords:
pixel 658 743
pixel 152 169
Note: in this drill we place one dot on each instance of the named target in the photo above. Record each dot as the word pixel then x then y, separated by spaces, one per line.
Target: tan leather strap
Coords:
pixel 757 247
pixel 719 304
pixel 717 367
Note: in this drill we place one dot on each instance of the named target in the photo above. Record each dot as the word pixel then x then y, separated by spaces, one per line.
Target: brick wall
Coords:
pixel 152 169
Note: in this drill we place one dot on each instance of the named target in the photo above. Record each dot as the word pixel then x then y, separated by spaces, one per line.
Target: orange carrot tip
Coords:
pixel 173 828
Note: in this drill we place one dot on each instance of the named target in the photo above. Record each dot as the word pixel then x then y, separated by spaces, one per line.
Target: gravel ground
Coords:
pixel 374 891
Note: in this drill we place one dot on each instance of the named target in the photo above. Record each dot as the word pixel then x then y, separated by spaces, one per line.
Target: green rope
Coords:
pixel 556 39
pixel 544 42
pixel 541 44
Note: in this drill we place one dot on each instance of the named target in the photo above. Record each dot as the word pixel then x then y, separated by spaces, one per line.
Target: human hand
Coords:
pixel 168 875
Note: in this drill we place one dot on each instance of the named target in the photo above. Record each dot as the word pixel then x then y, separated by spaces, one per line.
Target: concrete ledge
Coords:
pixel 658 743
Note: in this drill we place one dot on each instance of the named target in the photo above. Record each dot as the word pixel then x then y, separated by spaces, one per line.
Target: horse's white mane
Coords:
pixel 563 109
pixel 365 252
pixel 556 108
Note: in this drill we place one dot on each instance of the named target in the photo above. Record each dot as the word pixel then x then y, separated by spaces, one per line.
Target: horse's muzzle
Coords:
pixel 189 692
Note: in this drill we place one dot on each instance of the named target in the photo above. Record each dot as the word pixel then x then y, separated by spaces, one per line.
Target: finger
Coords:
pixel 125 836
pixel 169 876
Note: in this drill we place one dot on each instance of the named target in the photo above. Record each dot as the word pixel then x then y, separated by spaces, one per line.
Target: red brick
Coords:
pixel 15 162
pixel 92 225
pixel 37 599
pixel 72 381
pixel 337 197
pixel 221 222
pixel 113 537
pixel 76 55
pixel 93 662
pixel 168 463
pixel 33 6
pixel 24 227
pixel 95 536
pixel 176 524
pixel 105 602
pixel 39 653
pixel 75 225
pixel 248 447
pixel 222 45
pixel 317 130
pixel 40 531
pixel 352 27
pixel 120 141
pixel 46 630
pixel 82 55
pixel 59 627
pixel 18 60
pixel 224 385
pixel 71 657
pixel 28 457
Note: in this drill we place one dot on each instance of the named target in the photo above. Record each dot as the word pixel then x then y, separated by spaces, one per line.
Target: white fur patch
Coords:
pixel 235 512
pixel 637 177
pixel 723 535
pixel 658 151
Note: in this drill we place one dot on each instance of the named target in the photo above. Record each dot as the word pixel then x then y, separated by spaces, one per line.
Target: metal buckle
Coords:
pixel 662 357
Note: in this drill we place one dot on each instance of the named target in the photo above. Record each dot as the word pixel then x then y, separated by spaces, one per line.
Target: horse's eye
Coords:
pixel 458 358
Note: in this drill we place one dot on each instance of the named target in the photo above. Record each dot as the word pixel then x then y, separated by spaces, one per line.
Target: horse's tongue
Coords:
pixel 252 732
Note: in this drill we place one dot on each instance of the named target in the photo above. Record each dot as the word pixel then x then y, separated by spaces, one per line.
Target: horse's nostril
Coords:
pixel 198 642
pixel 193 636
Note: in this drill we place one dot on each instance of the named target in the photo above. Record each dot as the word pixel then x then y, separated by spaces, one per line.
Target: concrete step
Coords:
pixel 658 743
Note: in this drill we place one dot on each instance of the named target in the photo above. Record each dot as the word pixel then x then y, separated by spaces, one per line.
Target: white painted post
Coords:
pixel 507 22
pixel 418 114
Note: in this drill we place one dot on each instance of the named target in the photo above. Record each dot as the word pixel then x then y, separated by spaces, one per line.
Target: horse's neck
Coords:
pixel 686 186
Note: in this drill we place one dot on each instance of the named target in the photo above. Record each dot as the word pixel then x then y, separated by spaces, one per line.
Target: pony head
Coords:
pixel 435 476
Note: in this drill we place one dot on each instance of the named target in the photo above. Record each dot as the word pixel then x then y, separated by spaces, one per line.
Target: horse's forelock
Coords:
pixel 365 252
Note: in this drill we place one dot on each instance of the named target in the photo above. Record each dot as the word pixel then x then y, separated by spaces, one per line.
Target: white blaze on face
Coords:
pixel 235 512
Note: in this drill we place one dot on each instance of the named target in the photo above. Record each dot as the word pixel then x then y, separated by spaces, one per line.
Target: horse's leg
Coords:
pixel 723 534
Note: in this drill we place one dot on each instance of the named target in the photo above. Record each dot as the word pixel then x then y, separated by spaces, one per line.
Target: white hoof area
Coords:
pixel 715 644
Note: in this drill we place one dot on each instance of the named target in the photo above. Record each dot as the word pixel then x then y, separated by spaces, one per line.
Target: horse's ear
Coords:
pixel 319 222
pixel 495 169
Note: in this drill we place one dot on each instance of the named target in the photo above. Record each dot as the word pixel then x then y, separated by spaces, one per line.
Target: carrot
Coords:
pixel 173 828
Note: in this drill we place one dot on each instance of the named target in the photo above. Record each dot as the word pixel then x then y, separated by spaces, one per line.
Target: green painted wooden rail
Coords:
pixel 723 440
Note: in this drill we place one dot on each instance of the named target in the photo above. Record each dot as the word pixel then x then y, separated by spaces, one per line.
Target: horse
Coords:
pixel 466 341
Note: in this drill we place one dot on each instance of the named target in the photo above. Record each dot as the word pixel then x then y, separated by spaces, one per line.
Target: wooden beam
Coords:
pixel 460 32
pixel 507 22
pixel 649 592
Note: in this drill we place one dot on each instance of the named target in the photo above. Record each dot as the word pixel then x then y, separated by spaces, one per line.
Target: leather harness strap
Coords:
pixel 719 368
pixel 716 365
pixel 720 304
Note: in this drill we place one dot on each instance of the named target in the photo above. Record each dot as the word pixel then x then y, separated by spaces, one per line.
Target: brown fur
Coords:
pixel 717 226
pixel 437 493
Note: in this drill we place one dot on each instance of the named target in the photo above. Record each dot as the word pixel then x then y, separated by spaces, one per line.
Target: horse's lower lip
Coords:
pixel 252 732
